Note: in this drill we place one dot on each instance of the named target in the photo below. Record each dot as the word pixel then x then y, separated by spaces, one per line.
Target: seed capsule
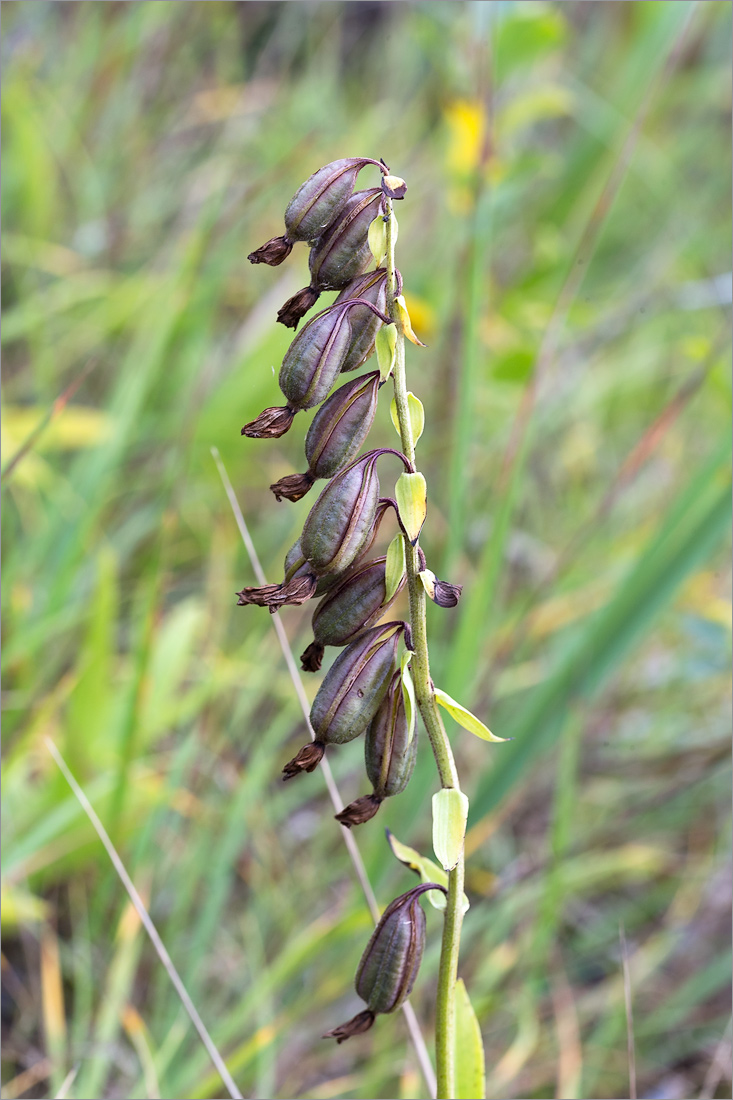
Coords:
pixel 339 255
pixel 322 197
pixel 342 252
pixel 364 325
pixel 389 966
pixel 340 521
pixel 335 436
pixel 390 754
pixel 351 605
pixel 316 203
pixel 351 692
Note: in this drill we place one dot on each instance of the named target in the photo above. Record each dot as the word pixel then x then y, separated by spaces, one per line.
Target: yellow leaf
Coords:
pixel 412 503
pixel 404 321
pixel 465 718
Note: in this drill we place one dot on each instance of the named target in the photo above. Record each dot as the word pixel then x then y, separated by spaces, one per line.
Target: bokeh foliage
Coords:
pixel 565 244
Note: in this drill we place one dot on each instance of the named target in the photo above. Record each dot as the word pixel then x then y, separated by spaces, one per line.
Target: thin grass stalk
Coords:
pixel 445 1038
pixel 147 923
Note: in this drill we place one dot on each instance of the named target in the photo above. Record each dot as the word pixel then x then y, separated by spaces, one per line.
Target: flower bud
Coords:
pixel 335 436
pixel 351 605
pixel 322 197
pixel 342 252
pixel 352 690
pixel 340 521
pixel 390 754
pixel 389 966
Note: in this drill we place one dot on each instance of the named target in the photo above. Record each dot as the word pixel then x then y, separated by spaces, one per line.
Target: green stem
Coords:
pixel 445 1043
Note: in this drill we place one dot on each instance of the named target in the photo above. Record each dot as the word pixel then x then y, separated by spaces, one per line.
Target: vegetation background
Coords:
pixel 565 244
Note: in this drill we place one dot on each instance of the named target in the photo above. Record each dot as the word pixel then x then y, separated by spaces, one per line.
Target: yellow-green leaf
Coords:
pixel 470 1081
pixel 394 569
pixel 464 717
pixel 450 814
pixel 428 582
pixel 404 320
pixel 416 413
pixel 385 343
pixel 408 693
pixel 425 868
pixel 411 493
pixel 377 239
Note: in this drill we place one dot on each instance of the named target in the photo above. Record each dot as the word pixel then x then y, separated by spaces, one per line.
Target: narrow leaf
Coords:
pixel 395 567
pixel 377 239
pixel 385 343
pixel 450 814
pixel 408 693
pixel 405 323
pixel 464 717
pixel 411 493
pixel 425 868
pixel 470 1081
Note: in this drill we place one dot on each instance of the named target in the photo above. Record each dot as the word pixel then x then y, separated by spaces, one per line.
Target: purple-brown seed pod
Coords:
pixel 352 689
pixel 342 252
pixel 316 203
pixel 351 605
pixel 390 963
pixel 390 753
pixel 313 361
pixel 340 521
pixel 335 436
pixel 364 325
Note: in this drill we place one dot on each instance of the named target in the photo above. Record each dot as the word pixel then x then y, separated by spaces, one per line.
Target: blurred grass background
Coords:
pixel 565 244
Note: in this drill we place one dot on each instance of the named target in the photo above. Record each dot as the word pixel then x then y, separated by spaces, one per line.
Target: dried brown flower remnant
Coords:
pixel 272 253
pixel 270 424
pixel 295 591
pixel 361 810
pixel 296 307
pixel 307 760
pixel 293 487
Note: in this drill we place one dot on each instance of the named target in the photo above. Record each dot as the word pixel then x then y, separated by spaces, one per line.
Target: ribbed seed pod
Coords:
pixel 335 436
pixel 322 198
pixel 389 966
pixel 390 755
pixel 339 522
pixel 312 364
pixel 351 605
pixel 343 252
pixel 316 203
pixel 350 694
pixel 338 256
pixel 364 325
pixel 313 361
